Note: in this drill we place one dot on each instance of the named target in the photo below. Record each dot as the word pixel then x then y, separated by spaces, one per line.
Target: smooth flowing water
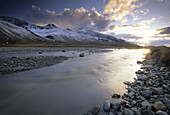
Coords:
pixel 69 88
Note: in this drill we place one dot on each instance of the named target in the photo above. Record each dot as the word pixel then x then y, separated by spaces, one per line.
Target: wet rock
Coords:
pixel 145 104
pixel 127 83
pixel 115 96
pixel 119 113
pixel 161 113
pixel 137 112
pixel 133 102
pixel 115 106
pixel 40 52
pixel 95 110
pixel 130 89
pixel 139 62
pixel 27 58
pixel 128 112
pixel 159 90
pixel 87 114
pixel 142 78
pixel 131 94
pixel 166 101
pixel 159 106
pixel 139 72
pixel 162 68
pixel 13 57
pixel 123 103
pixel 82 55
pixel 148 112
pixel 111 113
pixel 106 106
pixel 63 51
pixel 146 93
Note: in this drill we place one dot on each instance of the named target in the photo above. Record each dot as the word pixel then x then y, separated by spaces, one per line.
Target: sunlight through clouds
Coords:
pixel 119 9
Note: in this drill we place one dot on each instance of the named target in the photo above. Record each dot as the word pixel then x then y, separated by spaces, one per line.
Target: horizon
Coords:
pixel 144 22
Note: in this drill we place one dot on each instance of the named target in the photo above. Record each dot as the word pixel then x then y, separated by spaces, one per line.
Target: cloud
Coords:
pixel 164 31
pixel 73 19
pixel 141 25
pixel 160 43
pixel 119 9
pixel 160 0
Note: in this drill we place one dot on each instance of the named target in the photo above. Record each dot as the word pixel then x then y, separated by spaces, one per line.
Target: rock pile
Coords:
pixel 149 94
pixel 18 64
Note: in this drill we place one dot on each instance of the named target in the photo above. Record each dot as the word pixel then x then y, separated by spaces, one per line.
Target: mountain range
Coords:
pixel 16 31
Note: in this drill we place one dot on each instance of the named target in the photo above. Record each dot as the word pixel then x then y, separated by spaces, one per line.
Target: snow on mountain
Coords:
pixel 56 35
pixel 10 33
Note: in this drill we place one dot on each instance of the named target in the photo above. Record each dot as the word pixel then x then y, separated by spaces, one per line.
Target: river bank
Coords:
pixel 148 94
pixel 18 59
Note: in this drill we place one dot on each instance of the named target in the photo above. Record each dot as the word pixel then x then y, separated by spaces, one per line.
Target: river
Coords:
pixel 69 88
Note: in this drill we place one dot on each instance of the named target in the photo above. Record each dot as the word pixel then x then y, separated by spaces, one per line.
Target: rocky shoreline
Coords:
pixel 149 94
pixel 18 64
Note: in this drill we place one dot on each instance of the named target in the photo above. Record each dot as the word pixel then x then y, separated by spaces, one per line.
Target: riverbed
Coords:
pixel 71 87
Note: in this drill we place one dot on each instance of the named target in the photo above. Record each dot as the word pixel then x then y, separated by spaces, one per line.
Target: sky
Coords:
pixel 145 22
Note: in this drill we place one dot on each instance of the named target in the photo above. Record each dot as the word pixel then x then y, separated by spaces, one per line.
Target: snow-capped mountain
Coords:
pixel 10 33
pixel 19 29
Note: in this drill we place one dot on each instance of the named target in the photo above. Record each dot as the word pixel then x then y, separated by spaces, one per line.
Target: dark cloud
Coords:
pixel 164 31
pixel 73 19
pixel 160 43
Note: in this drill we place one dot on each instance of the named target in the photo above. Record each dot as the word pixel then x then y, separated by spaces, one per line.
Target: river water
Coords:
pixel 69 88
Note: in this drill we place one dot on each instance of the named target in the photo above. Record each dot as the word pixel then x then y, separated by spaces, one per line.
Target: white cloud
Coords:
pixel 73 19
pixel 119 9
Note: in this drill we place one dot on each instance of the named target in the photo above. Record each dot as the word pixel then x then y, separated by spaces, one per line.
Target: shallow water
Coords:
pixel 69 88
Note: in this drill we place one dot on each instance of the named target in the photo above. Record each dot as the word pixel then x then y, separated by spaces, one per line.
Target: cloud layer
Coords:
pixel 164 31
pixel 119 9
pixel 73 19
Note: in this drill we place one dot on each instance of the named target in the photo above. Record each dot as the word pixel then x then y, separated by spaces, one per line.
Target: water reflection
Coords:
pixel 71 87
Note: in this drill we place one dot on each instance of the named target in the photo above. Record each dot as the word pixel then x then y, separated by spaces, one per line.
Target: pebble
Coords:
pixel 146 93
pixel 148 112
pixel 115 96
pixel 145 104
pixel 161 113
pixel 95 110
pixel 128 112
pixel 82 55
pixel 159 106
pixel 159 90
pixel 106 106
pixel 115 106
pixel 166 101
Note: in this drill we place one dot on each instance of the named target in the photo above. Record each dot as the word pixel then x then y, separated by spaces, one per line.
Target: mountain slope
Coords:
pixel 10 34
pixel 14 30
